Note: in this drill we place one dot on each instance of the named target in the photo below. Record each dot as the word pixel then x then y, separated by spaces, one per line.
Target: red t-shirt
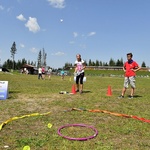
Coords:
pixel 128 67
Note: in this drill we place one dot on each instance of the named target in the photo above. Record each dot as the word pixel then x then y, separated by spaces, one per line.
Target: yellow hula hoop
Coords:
pixel 24 116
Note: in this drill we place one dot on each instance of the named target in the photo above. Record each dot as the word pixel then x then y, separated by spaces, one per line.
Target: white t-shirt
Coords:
pixel 49 70
pixel 40 70
pixel 79 65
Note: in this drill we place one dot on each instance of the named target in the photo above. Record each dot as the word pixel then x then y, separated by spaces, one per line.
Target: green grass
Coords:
pixel 29 95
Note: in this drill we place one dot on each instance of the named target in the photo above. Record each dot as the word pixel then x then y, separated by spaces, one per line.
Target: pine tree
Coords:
pixel 97 63
pixel 143 64
pixel 44 58
pixel 39 62
pixel 13 52
pixel 90 62
pixel 111 62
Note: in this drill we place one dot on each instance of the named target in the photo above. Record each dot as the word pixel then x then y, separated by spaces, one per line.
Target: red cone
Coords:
pixel 109 92
pixel 73 89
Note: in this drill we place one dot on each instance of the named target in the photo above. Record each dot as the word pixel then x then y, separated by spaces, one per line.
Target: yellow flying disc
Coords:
pixel 49 125
pixel 26 147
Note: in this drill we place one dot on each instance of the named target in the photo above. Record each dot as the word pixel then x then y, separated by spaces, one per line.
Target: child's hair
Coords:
pixel 80 57
pixel 130 54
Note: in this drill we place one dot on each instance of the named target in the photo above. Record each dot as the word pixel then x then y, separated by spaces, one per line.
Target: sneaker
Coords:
pixel 81 92
pixel 120 96
pixel 77 90
pixel 130 97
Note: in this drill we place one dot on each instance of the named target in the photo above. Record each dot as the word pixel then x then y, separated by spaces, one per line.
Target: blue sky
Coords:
pixel 97 29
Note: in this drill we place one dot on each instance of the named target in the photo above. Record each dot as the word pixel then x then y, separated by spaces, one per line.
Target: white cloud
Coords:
pixel 33 50
pixel 91 33
pixel 75 34
pixel 7 9
pixel 32 25
pixel 1 7
pixel 21 17
pixel 57 3
pixel 58 53
pixel 22 45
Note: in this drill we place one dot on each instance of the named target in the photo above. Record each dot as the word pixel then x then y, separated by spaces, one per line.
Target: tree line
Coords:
pixel 111 62
pixel 42 56
pixel 16 65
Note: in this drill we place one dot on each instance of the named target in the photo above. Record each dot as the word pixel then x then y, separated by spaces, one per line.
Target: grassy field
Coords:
pixel 28 95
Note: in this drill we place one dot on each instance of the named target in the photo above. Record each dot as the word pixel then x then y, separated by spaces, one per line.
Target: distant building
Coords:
pixel 3 69
pixel 31 69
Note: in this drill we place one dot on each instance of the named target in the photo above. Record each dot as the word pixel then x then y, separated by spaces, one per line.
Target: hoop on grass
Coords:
pixel 78 139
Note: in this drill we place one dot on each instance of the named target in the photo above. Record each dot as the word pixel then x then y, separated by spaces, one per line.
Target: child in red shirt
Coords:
pixel 130 67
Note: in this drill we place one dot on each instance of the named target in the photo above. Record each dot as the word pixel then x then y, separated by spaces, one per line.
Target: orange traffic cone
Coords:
pixel 73 89
pixel 109 92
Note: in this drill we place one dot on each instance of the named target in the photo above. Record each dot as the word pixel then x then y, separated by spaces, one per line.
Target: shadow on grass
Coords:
pixel 87 92
pixel 12 92
pixel 136 96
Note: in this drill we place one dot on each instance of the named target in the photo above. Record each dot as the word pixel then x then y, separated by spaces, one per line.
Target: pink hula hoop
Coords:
pixel 78 139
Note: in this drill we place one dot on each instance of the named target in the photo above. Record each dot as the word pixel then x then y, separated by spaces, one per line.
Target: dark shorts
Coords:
pixel 80 77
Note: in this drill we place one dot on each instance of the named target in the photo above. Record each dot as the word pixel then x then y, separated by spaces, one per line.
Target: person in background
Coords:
pixel 21 71
pixel 79 71
pixel 130 68
pixel 43 73
pixel 62 74
pixel 40 73
pixel 27 72
pixel 49 72
pixel 25 69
